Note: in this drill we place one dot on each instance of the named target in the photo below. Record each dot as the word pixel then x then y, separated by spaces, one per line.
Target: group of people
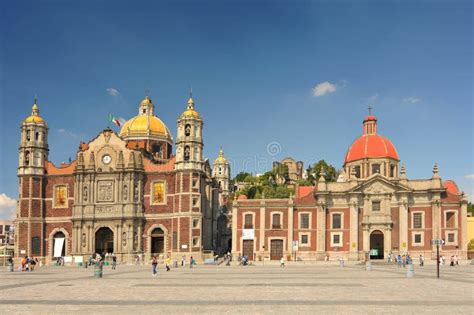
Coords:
pixel 167 262
pixel 28 263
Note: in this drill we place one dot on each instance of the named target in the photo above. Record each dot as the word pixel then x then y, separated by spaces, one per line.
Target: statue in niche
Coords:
pixel 136 192
pixel 85 193
pixel 125 192
pixel 135 240
pixel 83 239
pixel 187 153
pixel 124 239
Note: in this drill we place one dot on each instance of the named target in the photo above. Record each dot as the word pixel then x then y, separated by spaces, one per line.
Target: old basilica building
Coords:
pixel 373 208
pixel 125 193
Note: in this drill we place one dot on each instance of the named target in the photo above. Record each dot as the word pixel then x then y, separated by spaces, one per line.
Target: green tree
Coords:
pixel 241 177
pixel 470 208
pixel 315 170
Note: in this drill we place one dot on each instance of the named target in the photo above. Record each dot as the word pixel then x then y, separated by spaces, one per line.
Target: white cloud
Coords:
pixel 324 88
pixel 68 133
pixel 113 92
pixel 411 100
pixel 469 176
pixel 7 207
pixel 371 99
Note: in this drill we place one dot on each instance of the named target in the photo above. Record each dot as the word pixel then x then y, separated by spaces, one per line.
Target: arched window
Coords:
pixel 37 136
pixel 27 135
pixel 187 130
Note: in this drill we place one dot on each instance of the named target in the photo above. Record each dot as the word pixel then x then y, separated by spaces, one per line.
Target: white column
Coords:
pixel 354 230
pixel 387 241
pixel 366 239
pixel 321 231
pixel 436 221
pixel 403 226
pixel 261 236
pixel 290 227
pixel 464 239
pixel 235 213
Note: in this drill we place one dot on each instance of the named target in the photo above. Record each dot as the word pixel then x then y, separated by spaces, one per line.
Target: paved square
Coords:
pixel 301 288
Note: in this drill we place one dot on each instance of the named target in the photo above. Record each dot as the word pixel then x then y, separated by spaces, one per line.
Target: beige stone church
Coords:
pixel 126 193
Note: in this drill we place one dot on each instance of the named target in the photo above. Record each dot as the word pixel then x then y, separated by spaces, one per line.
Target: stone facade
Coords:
pixel 124 193
pixel 376 207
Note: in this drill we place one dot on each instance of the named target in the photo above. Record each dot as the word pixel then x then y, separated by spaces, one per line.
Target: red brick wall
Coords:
pixel 345 229
pixel 169 178
pixel 50 182
pixel 428 222
pixel 312 231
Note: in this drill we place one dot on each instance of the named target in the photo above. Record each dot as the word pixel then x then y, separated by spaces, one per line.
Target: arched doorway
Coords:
pixel 104 240
pixel 59 244
pixel 376 245
pixel 157 242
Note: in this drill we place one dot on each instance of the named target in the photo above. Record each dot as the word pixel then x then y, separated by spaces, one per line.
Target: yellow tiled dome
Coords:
pixel 145 123
pixel 190 111
pixel 34 118
pixel 220 159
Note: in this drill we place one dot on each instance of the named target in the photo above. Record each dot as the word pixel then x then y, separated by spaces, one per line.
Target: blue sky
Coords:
pixel 253 67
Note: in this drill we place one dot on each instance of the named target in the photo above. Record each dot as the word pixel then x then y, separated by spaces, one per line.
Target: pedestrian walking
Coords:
pixel 422 261
pixel 399 260
pixel 183 261
pixel 282 262
pixel 456 260
pixel 114 262
pixel 168 263
pixel 452 261
pixel 404 262
pixel 32 264
pixel 191 262
pixel 154 264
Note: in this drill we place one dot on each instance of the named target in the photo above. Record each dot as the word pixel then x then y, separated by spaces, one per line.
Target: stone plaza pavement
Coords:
pixel 297 288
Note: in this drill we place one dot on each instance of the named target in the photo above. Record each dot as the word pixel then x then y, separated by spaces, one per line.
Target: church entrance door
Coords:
pixel 247 249
pixel 157 242
pixel 104 240
pixel 376 245
pixel 276 249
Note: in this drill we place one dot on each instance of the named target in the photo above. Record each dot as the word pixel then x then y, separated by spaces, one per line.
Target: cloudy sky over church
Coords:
pixel 270 78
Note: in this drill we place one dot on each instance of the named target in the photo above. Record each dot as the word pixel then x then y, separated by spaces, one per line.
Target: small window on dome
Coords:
pixel 375 168
pixel 144 111
pixel 357 171
pixel 392 170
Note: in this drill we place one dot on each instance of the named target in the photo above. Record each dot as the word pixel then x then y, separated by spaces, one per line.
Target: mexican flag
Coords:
pixel 116 120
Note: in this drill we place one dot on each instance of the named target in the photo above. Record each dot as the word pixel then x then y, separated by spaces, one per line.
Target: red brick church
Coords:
pixel 124 193
pixel 373 207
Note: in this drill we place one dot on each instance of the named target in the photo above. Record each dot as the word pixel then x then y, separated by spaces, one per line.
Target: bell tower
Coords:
pixel 33 144
pixel 221 172
pixel 33 153
pixel 189 142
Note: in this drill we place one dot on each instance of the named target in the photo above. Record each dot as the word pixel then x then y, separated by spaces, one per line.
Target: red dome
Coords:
pixel 451 186
pixel 371 146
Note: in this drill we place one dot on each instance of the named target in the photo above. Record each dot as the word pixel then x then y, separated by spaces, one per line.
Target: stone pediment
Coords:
pixel 106 151
pixel 378 184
